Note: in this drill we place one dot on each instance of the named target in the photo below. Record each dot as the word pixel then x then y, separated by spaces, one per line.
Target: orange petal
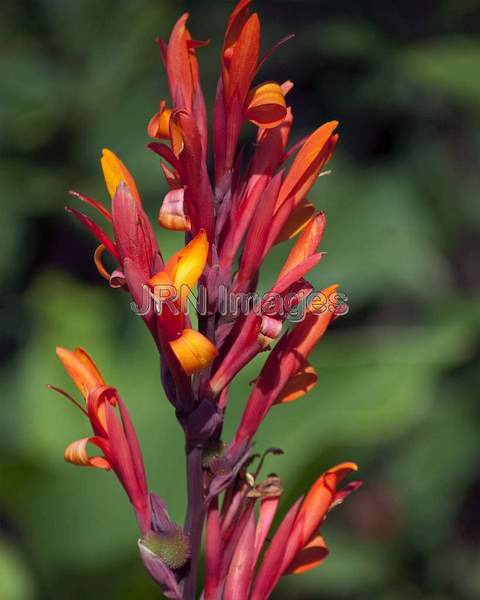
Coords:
pixel 265 105
pixel 297 221
pixel 306 245
pixel 308 162
pixel 114 172
pixel 185 267
pixel 76 453
pixel 81 369
pixel 298 385
pixel 159 125
pixel 317 501
pixel 193 350
pixel 313 554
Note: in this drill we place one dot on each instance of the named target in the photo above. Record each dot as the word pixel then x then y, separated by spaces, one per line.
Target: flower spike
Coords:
pixel 203 309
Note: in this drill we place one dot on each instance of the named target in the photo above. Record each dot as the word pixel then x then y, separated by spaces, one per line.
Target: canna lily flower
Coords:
pixel 113 434
pixel 255 201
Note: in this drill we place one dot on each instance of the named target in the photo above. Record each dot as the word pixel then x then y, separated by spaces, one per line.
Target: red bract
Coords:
pixel 231 223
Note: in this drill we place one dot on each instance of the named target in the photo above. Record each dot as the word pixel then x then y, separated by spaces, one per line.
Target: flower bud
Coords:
pixel 173 548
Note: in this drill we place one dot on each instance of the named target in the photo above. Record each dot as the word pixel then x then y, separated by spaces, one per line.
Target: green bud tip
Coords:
pixel 173 547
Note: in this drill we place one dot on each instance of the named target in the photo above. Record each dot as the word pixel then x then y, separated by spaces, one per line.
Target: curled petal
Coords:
pixel 172 215
pixel 117 279
pixel 159 125
pixel 313 554
pixel 298 385
pixel 76 453
pixel 265 105
pixel 115 172
pixel 81 369
pixel 97 258
pixel 193 350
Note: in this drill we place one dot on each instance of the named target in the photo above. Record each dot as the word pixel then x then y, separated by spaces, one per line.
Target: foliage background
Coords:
pixel 399 378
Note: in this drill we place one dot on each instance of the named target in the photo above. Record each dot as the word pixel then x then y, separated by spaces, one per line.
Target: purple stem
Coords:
pixel 195 517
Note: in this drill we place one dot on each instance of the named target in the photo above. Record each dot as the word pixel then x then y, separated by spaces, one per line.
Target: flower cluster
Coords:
pixel 230 220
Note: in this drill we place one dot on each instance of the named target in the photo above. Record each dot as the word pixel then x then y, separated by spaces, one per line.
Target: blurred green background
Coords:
pixel 398 377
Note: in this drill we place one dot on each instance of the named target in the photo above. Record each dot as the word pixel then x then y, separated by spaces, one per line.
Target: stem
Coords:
pixel 195 517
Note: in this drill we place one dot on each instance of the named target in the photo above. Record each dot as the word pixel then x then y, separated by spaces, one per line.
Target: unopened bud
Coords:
pixel 173 548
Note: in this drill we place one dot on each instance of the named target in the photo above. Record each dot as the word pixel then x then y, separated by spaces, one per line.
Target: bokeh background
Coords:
pixel 398 377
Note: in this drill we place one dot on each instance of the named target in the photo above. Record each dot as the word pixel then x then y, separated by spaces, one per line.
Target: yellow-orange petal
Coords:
pixel 81 369
pixel 265 105
pixel 193 351
pixel 185 267
pixel 159 124
pixel 162 286
pixel 76 453
pixel 298 385
pixel 299 219
pixel 313 554
pixel 114 172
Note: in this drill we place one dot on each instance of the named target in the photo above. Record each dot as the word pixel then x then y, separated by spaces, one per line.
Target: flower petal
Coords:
pixel 321 495
pixel 193 350
pixel 299 218
pixel 298 385
pixel 265 105
pixel 185 267
pixel 159 125
pixel 310 159
pixel 115 172
pixel 76 453
pixel 314 553
pixel 81 369
pixel 172 215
